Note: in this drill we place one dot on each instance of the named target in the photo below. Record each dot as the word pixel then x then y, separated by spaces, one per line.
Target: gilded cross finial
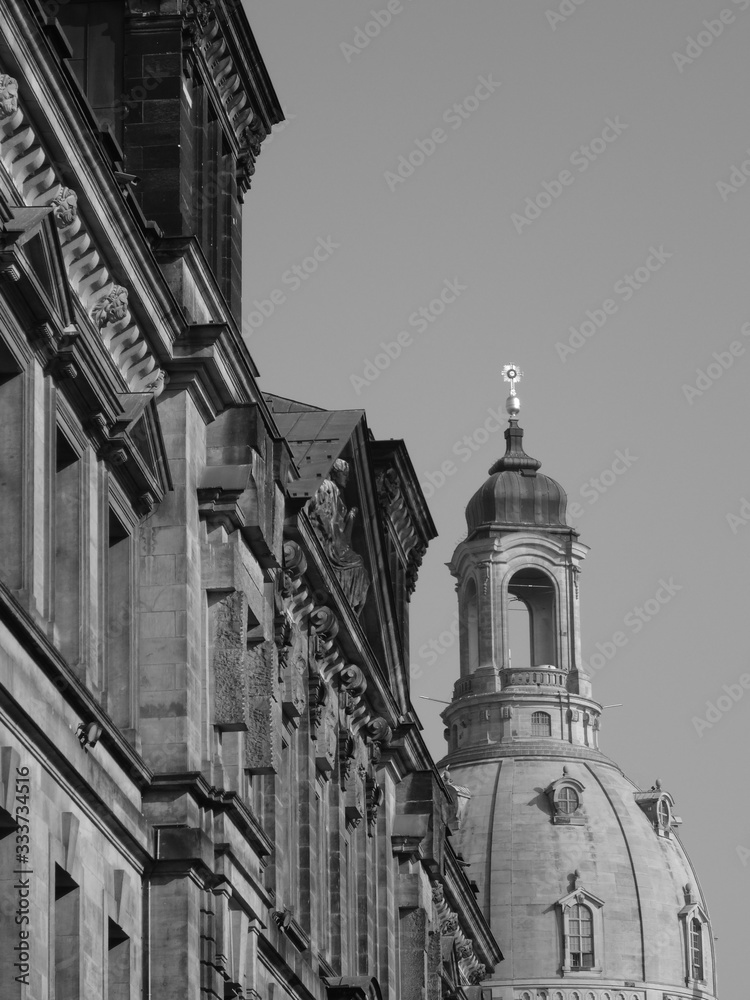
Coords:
pixel 512 374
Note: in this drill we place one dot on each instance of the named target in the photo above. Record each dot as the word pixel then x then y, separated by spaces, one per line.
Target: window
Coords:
pixel 581 937
pixel 94 31
pixel 67 548
pixel 664 814
pixel 117 646
pixel 567 800
pixel 118 962
pixel 66 936
pixel 470 638
pixel 532 591
pixel 541 724
pixel 696 949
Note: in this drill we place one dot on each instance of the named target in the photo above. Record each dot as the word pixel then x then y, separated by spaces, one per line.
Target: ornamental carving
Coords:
pixel 112 308
pixel 352 680
pixel 295 563
pixel 253 135
pixel 333 522
pixel 65 207
pixel 438 893
pixel 38 184
pixel 388 487
pixel 318 697
pixel 379 731
pixel 8 95
pixel 374 798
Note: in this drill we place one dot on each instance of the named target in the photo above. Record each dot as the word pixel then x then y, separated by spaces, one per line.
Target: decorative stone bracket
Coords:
pixel 106 302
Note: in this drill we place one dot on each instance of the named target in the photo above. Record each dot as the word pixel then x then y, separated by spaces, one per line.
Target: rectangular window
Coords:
pixel 117 644
pixel 95 33
pixel 287 800
pixel 12 471
pixel 118 963
pixel 66 956
pixel 324 909
pixel 67 548
pixel 581 938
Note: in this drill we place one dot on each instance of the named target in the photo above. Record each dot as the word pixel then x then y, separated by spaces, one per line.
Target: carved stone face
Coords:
pixel 8 95
pixel 340 472
pixel 65 207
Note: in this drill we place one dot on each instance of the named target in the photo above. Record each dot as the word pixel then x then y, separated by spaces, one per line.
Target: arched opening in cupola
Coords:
pixel 469 638
pixel 531 619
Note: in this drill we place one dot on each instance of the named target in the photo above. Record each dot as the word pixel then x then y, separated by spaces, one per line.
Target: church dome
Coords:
pixel 581 874
pixel 516 493
pixel 612 873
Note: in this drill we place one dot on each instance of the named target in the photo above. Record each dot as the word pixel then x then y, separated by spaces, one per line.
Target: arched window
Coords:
pixel 470 639
pixel 664 815
pixel 581 931
pixel 531 633
pixel 696 949
pixel 567 800
pixel 541 724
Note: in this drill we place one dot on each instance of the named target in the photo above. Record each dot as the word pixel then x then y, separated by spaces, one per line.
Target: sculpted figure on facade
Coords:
pixel 334 522
pixel 65 207
pixel 111 308
pixel 8 95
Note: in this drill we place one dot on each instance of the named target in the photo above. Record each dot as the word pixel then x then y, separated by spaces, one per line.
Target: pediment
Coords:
pixel 30 252
pixel 580 896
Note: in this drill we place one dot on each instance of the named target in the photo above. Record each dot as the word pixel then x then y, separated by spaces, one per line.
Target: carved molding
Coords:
pixel 38 185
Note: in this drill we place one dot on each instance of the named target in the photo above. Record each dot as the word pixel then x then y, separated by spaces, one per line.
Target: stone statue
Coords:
pixel 334 522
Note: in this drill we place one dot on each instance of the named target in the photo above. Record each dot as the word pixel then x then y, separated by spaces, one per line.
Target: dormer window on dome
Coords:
pixel 583 930
pixel 565 797
pixel 694 920
pixel 658 805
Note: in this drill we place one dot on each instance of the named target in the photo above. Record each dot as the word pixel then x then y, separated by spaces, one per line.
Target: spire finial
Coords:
pixel 512 373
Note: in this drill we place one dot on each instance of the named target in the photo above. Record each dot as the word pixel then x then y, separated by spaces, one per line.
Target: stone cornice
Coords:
pixel 38 184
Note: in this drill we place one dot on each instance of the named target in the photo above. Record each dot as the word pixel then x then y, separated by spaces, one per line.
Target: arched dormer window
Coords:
pixel 566 799
pixel 583 930
pixel 695 925
pixel 470 638
pixel 696 950
pixel 541 724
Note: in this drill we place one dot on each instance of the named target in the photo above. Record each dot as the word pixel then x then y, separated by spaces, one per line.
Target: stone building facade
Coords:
pixel 212 780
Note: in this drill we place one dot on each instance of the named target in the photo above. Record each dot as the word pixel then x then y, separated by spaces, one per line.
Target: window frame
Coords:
pixel 568 906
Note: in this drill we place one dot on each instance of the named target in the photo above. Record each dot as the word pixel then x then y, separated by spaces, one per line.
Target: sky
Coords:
pixel 460 186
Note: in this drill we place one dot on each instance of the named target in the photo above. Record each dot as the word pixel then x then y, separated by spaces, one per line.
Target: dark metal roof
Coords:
pixel 317 438
pixel 516 493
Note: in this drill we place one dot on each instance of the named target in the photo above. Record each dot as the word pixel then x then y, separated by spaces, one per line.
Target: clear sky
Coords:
pixel 567 185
